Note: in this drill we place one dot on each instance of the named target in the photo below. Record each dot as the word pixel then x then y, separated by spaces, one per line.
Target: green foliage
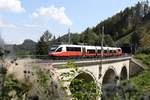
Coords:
pixel 37 83
pixel 28 45
pixel 124 40
pixel 13 89
pixel 135 40
pixel 43 79
pixel 80 88
pixel 122 91
pixel 109 41
pixel 145 34
pixel 142 82
pixel 1 53
pixel 43 44
pixel 89 37
pixel 26 48
pixel 75 38
pixel 67 76
pixel 23 53
pixel 145 58
pixel 46 37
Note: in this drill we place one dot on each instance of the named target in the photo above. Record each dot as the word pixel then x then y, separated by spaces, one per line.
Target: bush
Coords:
pixel 145 58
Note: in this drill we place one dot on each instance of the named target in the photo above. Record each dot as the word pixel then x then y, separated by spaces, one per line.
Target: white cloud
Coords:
pixel 54 13
pixel 4 23
pixel 11 5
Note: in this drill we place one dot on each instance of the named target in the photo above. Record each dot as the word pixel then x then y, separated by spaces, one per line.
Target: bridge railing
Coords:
pixel 46 57
pixel 30 56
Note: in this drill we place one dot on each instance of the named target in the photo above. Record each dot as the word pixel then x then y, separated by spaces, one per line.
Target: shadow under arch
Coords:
pixel 123 74
pixel 109 77
pixel 83 83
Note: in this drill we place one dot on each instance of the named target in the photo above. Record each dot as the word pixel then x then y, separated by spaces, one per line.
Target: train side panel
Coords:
pixel 85 51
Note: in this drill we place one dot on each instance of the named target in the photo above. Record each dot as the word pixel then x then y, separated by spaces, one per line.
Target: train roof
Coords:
pixel 70 45
pixel 88 46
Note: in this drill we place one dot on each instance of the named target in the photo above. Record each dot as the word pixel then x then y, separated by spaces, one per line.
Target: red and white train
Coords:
pixel 63 51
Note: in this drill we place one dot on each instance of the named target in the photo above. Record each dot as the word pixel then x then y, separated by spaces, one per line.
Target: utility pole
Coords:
pixel 102 38
pixel 69 36
pixel 102 42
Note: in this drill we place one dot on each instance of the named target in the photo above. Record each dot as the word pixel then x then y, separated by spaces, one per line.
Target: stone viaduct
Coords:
pixel 101 71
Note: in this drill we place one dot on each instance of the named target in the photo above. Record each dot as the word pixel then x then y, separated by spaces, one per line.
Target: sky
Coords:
pixel 29 19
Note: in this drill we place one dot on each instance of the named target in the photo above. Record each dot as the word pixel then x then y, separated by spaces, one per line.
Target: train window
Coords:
pixel 78 49
pixel 111 51
pixel 119 50
pixel 105 51
pixel 90 50
pixel 53 48
pixel 59 49
pixel 98 51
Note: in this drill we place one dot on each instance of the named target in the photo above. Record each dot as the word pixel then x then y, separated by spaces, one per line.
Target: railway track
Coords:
pixel 45 59
pixel 81 59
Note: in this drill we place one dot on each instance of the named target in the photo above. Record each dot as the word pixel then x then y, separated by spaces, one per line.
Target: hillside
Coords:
pixel 128 27
pixel 27 47
pixel 123 26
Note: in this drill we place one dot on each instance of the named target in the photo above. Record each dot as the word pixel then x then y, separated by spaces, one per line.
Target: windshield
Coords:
pixel 53 48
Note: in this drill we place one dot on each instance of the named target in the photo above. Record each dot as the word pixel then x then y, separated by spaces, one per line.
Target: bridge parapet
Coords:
pixel 90 62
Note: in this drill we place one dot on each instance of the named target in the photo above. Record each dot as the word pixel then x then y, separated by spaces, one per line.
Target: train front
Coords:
pixel 52 51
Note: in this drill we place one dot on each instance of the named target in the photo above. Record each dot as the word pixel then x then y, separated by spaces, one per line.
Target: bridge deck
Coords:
pixel 83 62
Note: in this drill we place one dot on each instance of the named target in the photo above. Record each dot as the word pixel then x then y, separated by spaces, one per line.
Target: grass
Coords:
pixel 145 58
pixel 125 39
pixel 142 81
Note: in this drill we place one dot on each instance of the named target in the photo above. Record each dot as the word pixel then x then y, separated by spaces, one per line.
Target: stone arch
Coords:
pixel 84 72
pixel 109 76
pixel 87 77
pixel 123 73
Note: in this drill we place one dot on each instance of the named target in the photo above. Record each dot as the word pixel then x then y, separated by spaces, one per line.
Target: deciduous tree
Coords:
pixel 43 44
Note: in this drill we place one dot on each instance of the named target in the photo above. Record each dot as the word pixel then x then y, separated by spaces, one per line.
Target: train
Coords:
pixel 82 51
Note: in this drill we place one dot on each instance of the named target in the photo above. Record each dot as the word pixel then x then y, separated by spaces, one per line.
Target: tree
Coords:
pixel 46 37
pixel 44 43
pixel 135 40
pixel 1 47
pixel 145 40
pixel 89 37
pixel 75 38
pixel 109 41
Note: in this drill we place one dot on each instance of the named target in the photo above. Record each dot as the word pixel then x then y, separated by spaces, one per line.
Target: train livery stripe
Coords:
pixel 66 54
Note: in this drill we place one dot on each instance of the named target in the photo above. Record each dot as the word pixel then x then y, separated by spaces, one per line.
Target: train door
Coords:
pixel 108 52
pixel 83 51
